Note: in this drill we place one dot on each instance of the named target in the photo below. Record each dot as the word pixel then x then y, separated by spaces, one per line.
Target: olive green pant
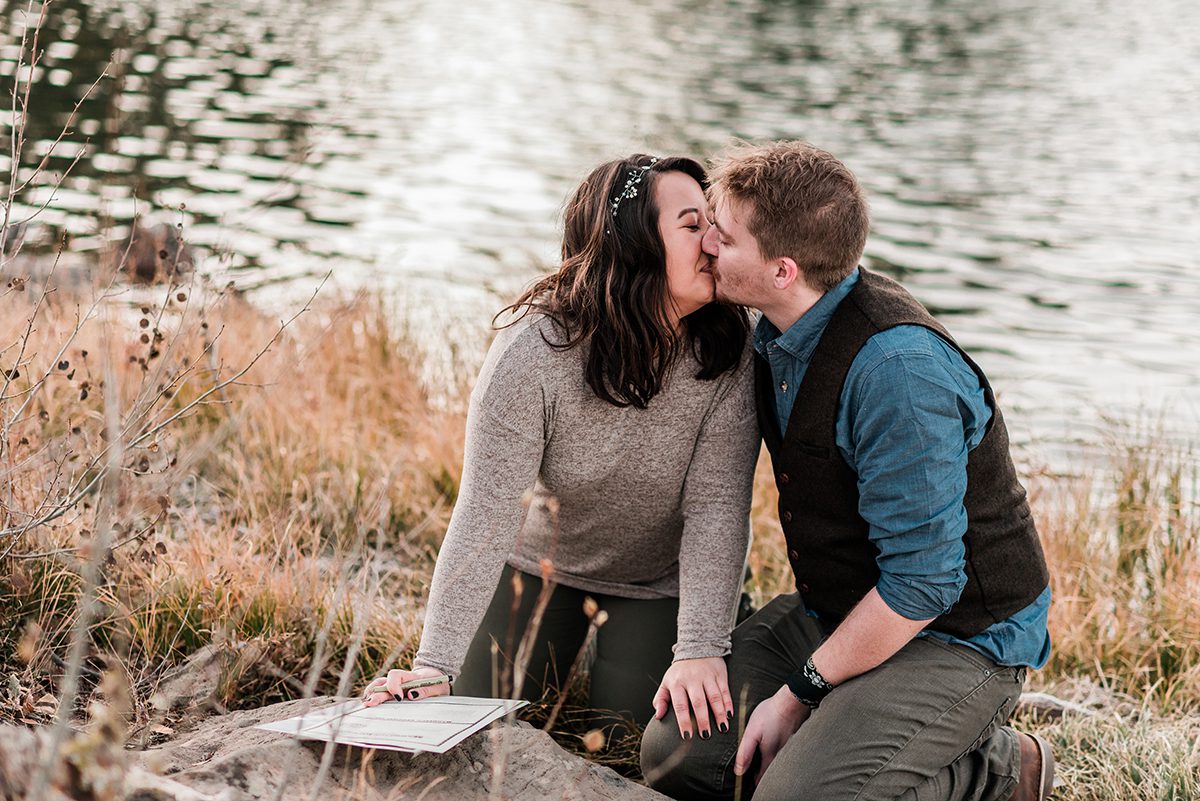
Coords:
pixel 632 649
pixel 926 725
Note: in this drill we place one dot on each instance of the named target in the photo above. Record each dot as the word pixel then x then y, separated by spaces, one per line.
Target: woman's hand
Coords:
pixel 388 688
pixel 700 685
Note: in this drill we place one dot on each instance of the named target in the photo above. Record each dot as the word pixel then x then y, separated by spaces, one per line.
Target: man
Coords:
pixel 922 589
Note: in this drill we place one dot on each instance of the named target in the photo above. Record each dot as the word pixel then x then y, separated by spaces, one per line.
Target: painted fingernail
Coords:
pixel 724 727
pixel 729 714
pixel 687 735
pixel 414 695
pixel 704 735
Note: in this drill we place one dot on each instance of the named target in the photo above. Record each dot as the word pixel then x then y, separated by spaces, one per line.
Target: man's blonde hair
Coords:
pixel 801 203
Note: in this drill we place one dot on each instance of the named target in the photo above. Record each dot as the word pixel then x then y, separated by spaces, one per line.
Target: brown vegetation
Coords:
pixel 299 507
pixel 306 496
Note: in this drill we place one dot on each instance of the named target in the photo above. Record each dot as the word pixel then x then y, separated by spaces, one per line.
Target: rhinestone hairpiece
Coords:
pixel 630 189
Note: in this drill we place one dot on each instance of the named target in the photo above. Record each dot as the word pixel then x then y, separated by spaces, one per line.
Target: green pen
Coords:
pixel 415 684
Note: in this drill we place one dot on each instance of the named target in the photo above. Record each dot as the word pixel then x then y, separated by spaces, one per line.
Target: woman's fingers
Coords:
pixel 694 687
pixel 683 711
pixel 375 692
pixel 661 702
pixel 723 687
pixel 432 691
pixel 695 691
pixel 716 702
pixel 391 686
pixel 395 678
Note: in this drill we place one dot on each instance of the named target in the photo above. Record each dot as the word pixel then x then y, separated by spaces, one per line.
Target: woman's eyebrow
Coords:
pixel 688 211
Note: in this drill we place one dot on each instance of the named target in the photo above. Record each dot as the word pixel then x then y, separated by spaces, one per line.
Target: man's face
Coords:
pixel 741 273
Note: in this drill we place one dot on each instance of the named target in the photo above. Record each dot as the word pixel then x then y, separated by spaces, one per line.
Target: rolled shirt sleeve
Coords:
pixel 913 410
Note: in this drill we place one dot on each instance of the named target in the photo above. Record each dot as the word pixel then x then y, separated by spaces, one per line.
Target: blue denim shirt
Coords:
pixel 910 412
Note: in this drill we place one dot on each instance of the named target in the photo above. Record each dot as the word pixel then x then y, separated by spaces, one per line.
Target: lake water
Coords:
pixel 1032 167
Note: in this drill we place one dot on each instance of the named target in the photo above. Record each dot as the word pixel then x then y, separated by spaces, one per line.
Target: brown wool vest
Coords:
pixel 828 545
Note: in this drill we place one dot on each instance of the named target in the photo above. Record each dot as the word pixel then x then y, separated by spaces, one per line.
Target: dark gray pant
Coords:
pixel 633 648
pixel 926 725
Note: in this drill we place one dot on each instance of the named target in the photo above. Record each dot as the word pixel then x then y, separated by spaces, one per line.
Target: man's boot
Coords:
pixel 1037 769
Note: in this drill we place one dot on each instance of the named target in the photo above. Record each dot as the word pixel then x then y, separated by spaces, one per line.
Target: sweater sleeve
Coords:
pixel 505 436
pixel 716 515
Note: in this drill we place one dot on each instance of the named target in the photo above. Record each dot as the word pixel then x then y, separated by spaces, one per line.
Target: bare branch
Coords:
pixel 76 495
pixel 62 134
pixel 18 130
pixel 68 689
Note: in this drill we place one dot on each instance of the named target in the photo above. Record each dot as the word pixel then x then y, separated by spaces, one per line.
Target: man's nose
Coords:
pixel 709 243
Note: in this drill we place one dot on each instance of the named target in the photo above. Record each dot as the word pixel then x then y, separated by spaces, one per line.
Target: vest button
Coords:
pixel 794 555
pixel 784 478
pixel 804 588
pixel 787 517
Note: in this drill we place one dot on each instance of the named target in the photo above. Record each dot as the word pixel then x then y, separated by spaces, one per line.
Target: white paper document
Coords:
pixel 434 724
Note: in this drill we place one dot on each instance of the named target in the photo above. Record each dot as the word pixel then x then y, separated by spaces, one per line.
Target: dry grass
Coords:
pixel 1125 559
pixel 312 492
pixel 1142 756
pixel 300 509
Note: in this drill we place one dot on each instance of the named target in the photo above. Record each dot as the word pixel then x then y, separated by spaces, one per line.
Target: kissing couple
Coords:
pixel 611 442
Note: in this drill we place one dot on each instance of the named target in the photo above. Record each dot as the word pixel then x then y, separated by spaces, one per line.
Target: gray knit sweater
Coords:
pixel 651 503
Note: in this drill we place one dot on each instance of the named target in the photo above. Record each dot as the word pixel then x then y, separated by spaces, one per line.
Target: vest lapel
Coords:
pixel 768 420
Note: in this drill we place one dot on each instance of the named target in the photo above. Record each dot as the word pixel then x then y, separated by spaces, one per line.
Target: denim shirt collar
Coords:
pixel 800 340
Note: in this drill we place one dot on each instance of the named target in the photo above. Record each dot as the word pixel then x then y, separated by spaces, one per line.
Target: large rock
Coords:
pixel 226 759
pixel 195 686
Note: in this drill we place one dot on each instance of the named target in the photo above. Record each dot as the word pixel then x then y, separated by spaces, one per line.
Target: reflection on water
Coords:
pixel 1032 167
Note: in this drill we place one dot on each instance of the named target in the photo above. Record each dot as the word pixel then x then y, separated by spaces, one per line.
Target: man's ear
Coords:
pixel 786 272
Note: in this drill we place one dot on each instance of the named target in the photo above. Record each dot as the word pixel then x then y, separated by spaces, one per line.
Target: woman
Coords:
pixel 621 395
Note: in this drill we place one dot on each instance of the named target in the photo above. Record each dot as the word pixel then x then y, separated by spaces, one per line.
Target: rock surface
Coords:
pixel 226 759
pixel 195 685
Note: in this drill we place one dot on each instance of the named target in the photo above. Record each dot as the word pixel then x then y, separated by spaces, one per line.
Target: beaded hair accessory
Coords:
pixel 632 182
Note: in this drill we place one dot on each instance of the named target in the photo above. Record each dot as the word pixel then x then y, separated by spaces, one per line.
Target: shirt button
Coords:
pixel 783 386
pixel 784 478
pixel 787 517
pixel 793 554
pixel 804 588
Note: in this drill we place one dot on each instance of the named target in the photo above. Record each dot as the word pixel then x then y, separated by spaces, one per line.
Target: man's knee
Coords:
pixel 792 782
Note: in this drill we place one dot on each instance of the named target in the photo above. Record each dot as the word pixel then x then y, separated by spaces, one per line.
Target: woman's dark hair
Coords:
pixel 611 288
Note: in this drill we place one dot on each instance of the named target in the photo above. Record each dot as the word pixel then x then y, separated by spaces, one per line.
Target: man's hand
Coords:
pixel 773 723
pixel 698 684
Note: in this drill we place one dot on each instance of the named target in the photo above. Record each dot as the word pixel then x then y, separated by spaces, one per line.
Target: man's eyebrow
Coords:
pixel 688 211
pixel 721 230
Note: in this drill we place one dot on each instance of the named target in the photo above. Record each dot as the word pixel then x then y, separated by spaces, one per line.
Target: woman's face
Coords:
pixel 682 223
